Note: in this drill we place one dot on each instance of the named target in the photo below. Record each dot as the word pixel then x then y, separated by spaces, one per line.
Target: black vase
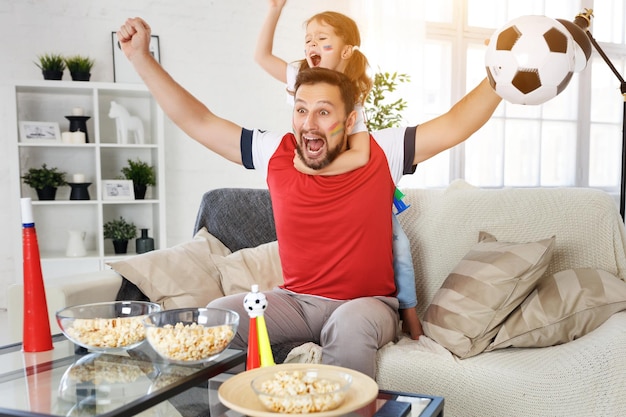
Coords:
pixel 140 191
pixel 144 243
pixel 52 74
pixel 120 246
pixel 80 76
pixel 46 193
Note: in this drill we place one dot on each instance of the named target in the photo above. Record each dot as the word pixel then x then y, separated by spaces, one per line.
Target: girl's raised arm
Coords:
pixel 263 55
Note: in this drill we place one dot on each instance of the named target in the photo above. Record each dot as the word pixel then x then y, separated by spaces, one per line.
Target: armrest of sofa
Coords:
pixel 61 292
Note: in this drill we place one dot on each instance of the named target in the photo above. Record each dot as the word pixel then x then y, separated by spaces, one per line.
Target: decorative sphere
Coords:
pixel 530 59
pixel 255 303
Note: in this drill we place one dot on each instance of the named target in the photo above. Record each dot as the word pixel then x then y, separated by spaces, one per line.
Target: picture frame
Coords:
pixel 39 132
pixel 118 190
pixel 123 71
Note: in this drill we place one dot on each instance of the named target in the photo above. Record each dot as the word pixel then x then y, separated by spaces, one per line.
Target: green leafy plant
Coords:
pixel 120 229
pixel 39 178
pixel 79 64
pixel 51 62
pixel 380 112
pixel 140 172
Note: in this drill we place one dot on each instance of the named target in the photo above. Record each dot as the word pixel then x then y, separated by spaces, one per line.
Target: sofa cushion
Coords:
pixel 181 276
pixel 194 273
pixel 486 285
pixel 561 308
pixel 245 267
pixel 443 224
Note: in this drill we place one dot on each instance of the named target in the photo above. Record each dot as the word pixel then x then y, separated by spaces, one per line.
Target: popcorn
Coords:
pixel 190 342
pixel 108 333
pixel 109 369
pixel 296 392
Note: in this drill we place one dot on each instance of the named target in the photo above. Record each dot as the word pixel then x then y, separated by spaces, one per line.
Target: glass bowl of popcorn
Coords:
pixel 108 326
pixel 189 336
pixel 302 391
pixel 100 379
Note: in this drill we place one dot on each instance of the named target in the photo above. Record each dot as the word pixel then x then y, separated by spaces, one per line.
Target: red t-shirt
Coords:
pixel 334 232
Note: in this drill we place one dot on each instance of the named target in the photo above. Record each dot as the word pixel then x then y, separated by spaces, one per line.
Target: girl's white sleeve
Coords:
pixel 292 73
pixel 359 125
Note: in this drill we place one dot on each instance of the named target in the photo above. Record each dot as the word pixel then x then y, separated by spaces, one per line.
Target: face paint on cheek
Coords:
pixel 336 129
pixel 327 47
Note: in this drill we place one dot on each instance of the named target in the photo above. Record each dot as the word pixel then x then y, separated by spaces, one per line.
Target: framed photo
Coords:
pixel 118 190
pixel 40 132
pixel 123 71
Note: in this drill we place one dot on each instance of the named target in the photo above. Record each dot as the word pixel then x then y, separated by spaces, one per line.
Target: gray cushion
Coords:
pixel 238 217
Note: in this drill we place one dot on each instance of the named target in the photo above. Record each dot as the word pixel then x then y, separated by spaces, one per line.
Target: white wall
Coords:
pixel 207 45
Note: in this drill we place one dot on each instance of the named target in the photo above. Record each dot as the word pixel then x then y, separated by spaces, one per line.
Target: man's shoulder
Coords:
pixel 258 146
pixel 398 143
pixel 390 138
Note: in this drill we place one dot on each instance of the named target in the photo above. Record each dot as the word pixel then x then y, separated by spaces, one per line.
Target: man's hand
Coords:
pixel 134 37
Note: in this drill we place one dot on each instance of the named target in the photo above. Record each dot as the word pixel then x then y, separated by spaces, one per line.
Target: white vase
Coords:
pixel 76 243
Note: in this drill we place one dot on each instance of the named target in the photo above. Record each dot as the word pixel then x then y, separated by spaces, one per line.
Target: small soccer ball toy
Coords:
pixel 259 347
pixel 530 59
pixel 255 302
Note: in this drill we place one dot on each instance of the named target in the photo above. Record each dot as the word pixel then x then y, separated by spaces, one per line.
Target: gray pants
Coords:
pixel 349 332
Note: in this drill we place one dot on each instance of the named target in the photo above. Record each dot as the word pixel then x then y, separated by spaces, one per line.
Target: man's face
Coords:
pixel 320 124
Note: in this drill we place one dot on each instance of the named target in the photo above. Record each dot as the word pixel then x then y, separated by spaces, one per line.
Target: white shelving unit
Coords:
pixel 100 159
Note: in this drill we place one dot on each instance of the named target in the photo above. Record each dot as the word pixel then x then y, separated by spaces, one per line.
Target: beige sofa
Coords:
pixel 582 377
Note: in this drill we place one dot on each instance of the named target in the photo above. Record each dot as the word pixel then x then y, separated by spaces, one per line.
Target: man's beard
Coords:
pixel 317 164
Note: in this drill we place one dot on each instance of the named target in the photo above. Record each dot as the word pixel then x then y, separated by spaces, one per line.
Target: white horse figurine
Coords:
pixel 125 122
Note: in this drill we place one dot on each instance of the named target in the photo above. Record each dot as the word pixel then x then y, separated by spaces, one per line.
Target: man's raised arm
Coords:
pixel 194 118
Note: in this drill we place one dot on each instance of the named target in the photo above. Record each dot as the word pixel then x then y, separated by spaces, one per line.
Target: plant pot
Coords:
pixel 80 76
pixel 120 246
pixel 52 75
pixel 46 193
pixel 140 191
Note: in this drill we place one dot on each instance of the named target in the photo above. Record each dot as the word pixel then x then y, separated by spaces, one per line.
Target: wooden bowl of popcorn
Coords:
pixel 302 391
pixel 191 336
pixel 107 326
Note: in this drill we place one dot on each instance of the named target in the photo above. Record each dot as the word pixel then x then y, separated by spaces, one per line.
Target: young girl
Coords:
pixel 332 41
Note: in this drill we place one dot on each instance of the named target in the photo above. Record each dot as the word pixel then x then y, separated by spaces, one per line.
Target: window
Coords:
pixel 571 140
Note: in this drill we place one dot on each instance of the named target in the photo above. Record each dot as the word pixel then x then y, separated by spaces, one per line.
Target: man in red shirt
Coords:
pixel 334 232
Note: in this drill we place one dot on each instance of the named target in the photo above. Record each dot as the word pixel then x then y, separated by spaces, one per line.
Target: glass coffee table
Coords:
pixel 67 381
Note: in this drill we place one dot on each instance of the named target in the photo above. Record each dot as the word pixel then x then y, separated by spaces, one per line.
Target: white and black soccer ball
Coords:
pixel 255 302
pixel 530 59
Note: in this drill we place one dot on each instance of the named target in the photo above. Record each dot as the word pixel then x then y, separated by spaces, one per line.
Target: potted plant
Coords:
pixel 79 67
pixel 142 174
pixel 51 65
pixel 45 181
pixel 120 231
pixel 379 111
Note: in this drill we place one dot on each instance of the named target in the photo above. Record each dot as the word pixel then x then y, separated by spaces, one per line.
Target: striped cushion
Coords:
pixel 563 307
pixel 180 276
pixel 483 289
